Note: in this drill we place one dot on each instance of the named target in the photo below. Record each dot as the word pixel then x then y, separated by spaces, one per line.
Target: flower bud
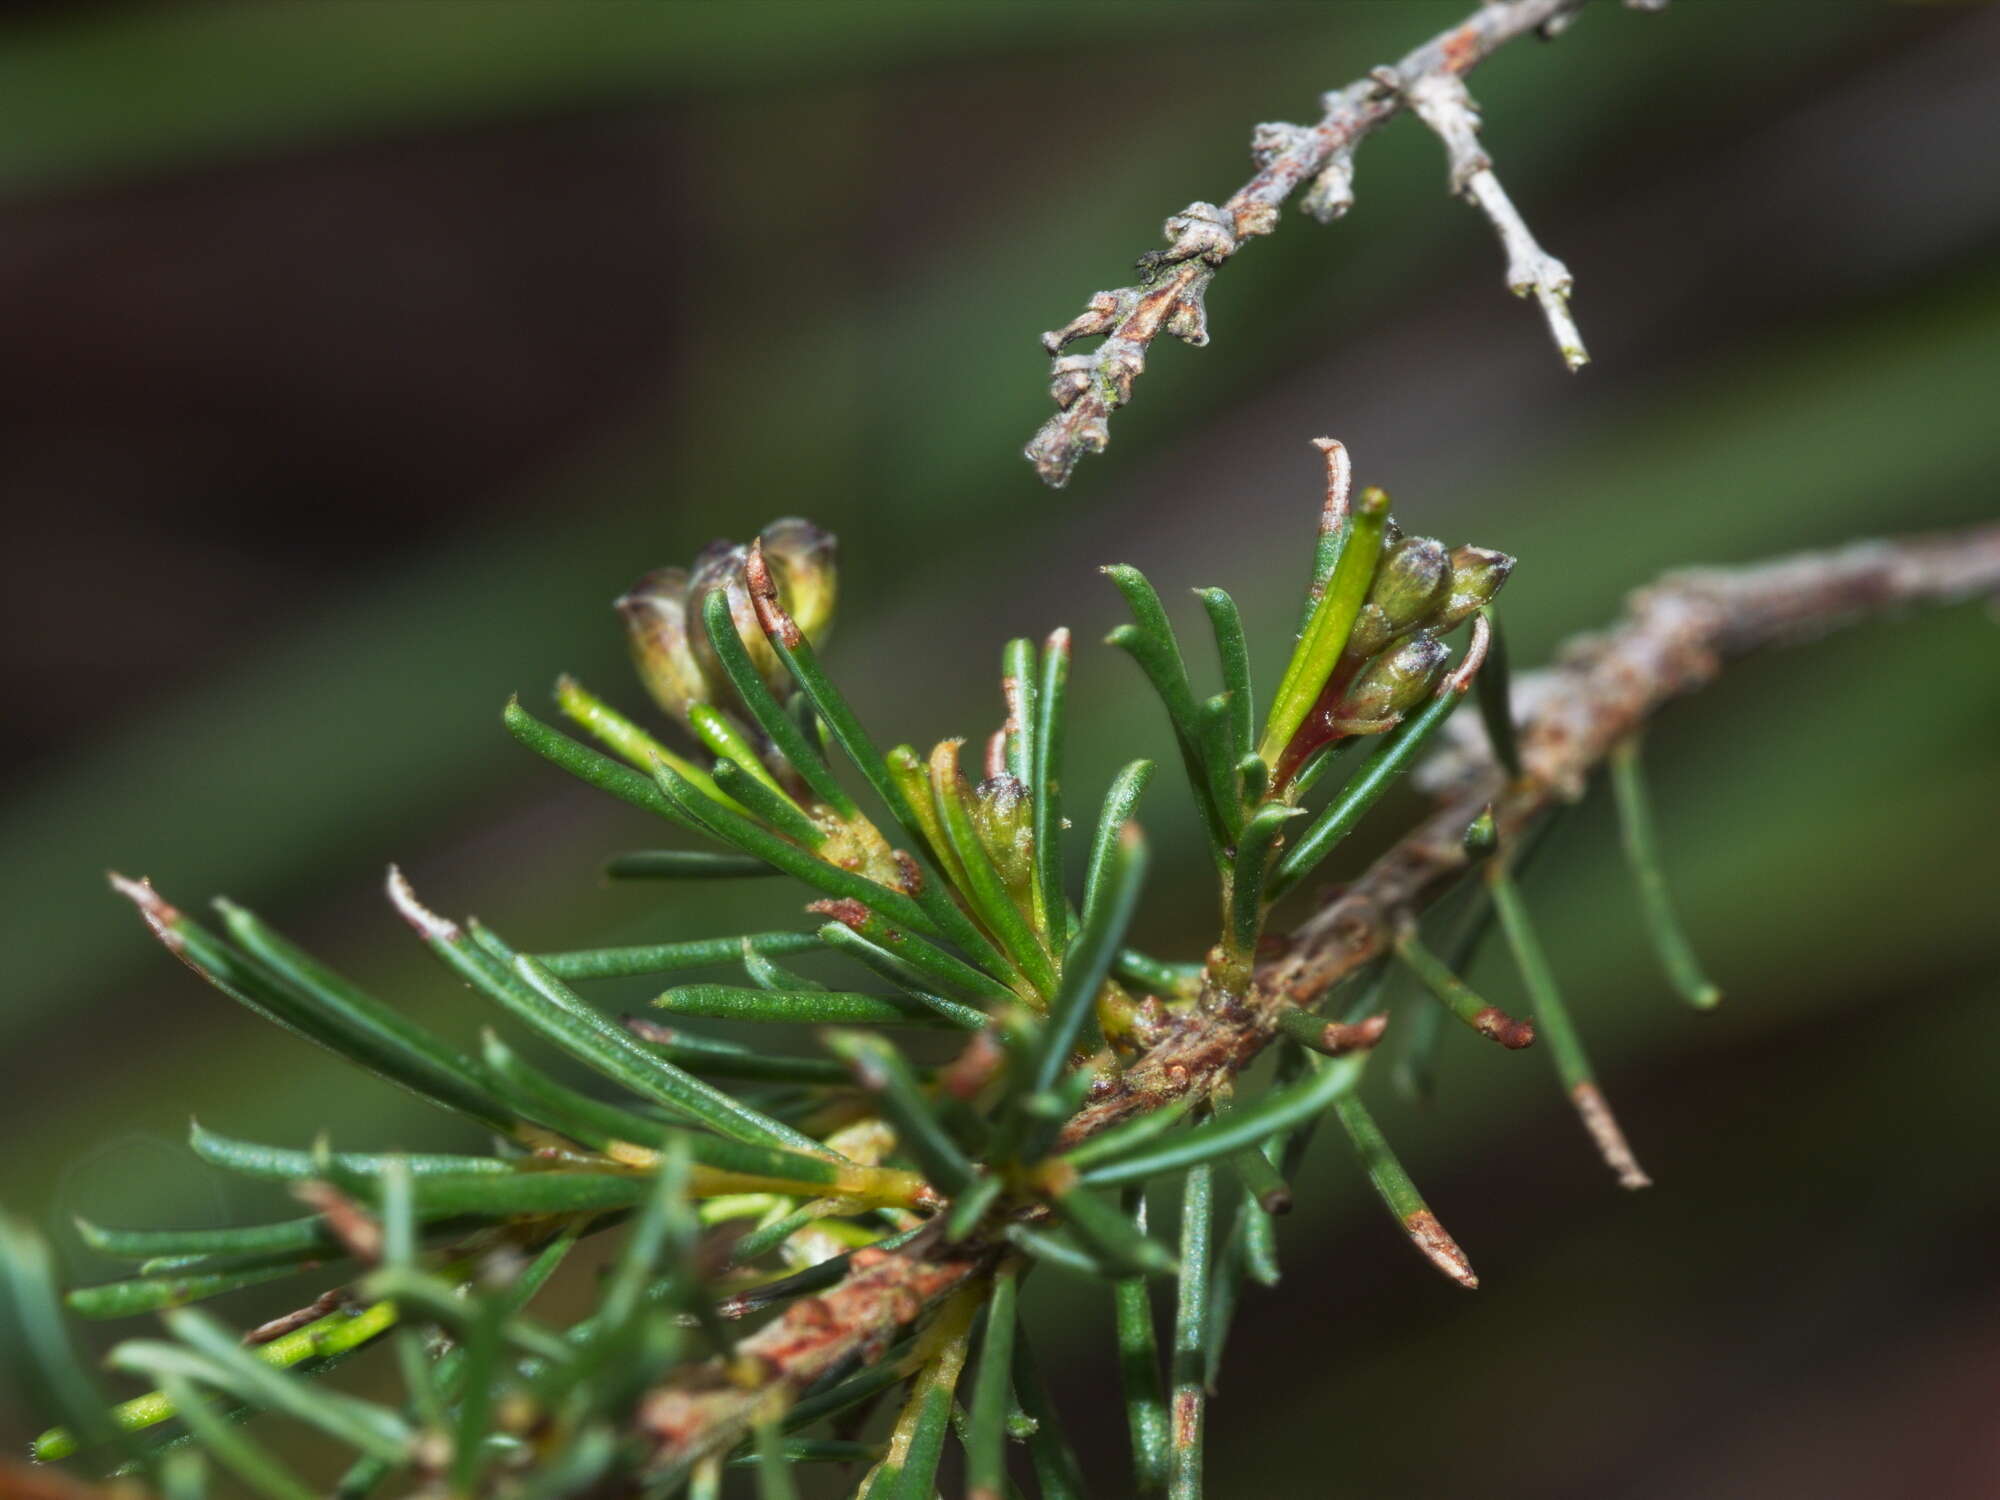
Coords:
pixel 664 614
pixel 1393 684
pixel 656 619
pixel 1410 582
pixel 802 560
pixel 719 568
pixel 1476 576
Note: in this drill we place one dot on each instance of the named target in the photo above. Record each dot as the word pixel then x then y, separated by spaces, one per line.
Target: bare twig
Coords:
pixel 1170 298
pixel 1675 638
pixel 1443 103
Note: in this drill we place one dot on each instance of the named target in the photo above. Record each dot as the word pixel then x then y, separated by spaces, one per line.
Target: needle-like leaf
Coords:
pixel 1140 1372
pixel 1331 622
pixel 881 1070
pixel 815 1007
pixel 556 1012
pixel 1552 1019
pixel 685 864
pixel 1399 1194
pixel 1152 644
pixel 594 769
pixel 1496 707
pixel 1045 787
pixel 1642 854
pixel 986 1445
pixel 325 1010
pixel 1248 1126
pixel 1190 1395
pixel 779 727
pixel 1377 774
pixel 666 958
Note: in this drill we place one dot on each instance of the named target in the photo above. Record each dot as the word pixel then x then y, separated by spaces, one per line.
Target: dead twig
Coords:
pixel 1171 294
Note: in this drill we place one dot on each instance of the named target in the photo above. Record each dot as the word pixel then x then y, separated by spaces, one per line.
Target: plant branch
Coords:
pixel 1676 636
pixel 1171 295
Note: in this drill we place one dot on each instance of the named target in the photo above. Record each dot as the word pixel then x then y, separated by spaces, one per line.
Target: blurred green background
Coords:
pixel 358 355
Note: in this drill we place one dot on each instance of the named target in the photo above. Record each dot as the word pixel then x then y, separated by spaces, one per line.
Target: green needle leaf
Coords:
pixel 1552 1020
pixel 49 1359
pixel 585 1120
pixel 1642 854
pixel 971 1205
pixel 1057 1473
pixel 1045 787
pixel 1235 657
pixel 1017 684
pixel 318 1005
pixel 1152 644
pixel 1128 1135
pixel 1219 761
pixel 773 807
pixel 1121 803
pixel 920 1431
pixel 734 828
pixel 814 1007
pixel 720 1059
pixel 1399 1194
pixel 1190 1331
pixel 986 1445
pixel 666 958
pixel 347 1006
pixel 1458 997
pixel 774 1474
pixel 904 957
pixel 556 1012
pixel 281 1165
pixel 1103 1227
pixel 1166 980
pixel 1253 857
pixel 881 1070
pixel 125 1299
pixel 1106 918
pixel 982 885
pixel 361 1425
pixel 943 917
pixel 1496 709
pixel 779 727
pixel 1240 1129
pixel 685 864
pixel 593 769
pixel 623 736
pixel 1140 1371
pixel 287 1236
pixel 230 1446
pixel 1332 621
pixel 1377 774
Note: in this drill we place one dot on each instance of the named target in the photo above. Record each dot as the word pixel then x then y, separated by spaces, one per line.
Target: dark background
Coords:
pixel 356 356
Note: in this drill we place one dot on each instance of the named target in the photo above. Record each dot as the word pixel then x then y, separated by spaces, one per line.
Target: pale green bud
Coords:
pixel 803 561
pixel 1410 582
pixel 719 568
pixel 1391 685
pixel 1476 576
pixel 656 621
